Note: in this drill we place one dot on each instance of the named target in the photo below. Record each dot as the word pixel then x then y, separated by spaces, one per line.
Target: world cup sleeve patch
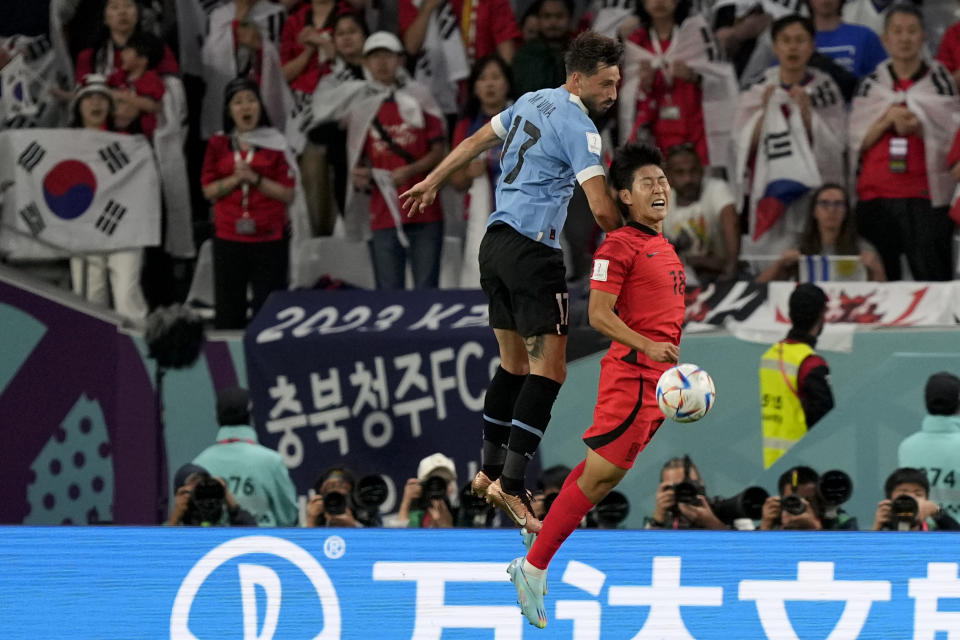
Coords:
pixel 600 270
pixel 593 143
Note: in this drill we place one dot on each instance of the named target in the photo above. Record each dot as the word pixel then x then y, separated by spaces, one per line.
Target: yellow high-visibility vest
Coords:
pixel 784 422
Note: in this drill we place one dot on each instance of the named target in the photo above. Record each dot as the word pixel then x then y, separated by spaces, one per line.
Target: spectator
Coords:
pixel 740 29
pixel 806 510
pixel 829 232
pixel 901 125
pixel 138 89
pixel 349 34
pixel 121 20
pixel 907 506
pixel 249 186
pixel 201 500
pixel 487 28
pixel 256 474
pixel 307 52
pixel 530 24
pixel 538 63
pixel 794 381
pixel 791 130
pixel 436 48
pixel 854 47
pixel 241 41
pixel 491 87
pixel 869 13
pixel 681 501
pixel 669 100
pixel 397 130
pixel 332 503
pixel 551 481
pixel 116 275
pixel 935 449
pixel 948 53
pixel 430 499
pixel 703 224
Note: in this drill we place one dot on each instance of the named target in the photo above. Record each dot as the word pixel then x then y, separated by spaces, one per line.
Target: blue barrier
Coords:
pixel 390 584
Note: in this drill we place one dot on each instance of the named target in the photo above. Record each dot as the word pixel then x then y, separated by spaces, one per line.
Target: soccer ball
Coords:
pixel 685 393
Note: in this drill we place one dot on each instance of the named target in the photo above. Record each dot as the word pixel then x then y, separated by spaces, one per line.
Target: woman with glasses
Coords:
pixel 829 234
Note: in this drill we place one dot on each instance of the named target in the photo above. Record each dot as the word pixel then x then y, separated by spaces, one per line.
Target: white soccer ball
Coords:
pixel 685 393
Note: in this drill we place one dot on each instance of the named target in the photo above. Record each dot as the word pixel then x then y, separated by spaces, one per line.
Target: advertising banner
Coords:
pixel 433 585
pixel 375 381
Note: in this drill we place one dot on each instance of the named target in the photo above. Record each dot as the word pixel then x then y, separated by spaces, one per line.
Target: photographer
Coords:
pixel 551 480
pixel 332 503
pixel 202 500
pixel 907 506
pixel 431 499
pixel 814 504
pixel 681 501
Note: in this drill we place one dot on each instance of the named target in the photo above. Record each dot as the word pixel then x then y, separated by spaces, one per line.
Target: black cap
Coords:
pixel 807 304
pixel 233 406
pixel 942 394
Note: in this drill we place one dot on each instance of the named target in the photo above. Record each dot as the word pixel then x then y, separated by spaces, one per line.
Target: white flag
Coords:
pixel 15 97
pixel 77 191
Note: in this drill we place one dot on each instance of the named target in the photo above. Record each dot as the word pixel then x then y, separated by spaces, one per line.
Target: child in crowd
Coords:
pixel 138 88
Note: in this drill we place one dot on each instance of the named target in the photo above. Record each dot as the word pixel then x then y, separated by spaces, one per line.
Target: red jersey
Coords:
pixel 413 140
pixel 290 48
pixel 642 269
pixel 673 111
pixel 167 66
pixel 489 22
pixel 877 180
pixel 149 85
pixel 269 215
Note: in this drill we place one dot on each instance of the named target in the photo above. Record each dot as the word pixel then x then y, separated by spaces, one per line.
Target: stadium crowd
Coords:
pixel 790 129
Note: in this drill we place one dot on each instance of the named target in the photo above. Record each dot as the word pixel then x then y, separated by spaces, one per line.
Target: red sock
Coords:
pixel 565 515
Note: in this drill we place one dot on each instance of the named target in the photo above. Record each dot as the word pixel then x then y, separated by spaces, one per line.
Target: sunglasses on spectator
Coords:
pixel 832 204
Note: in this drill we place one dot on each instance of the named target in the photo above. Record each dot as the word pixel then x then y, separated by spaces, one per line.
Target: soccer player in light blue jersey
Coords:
pixel 549 141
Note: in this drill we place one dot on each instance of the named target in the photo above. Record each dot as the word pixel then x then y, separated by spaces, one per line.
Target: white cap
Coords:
pixel 436 462
pixel 382 40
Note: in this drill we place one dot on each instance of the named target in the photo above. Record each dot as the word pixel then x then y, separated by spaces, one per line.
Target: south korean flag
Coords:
pixel 84 192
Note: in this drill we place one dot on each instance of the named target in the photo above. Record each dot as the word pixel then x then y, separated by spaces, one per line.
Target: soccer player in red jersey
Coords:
pixel 636 299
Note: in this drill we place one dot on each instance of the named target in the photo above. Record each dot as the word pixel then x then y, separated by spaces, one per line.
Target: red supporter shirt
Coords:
pixel 167 66
pixel 642 269
pixel 149 85
pixel 876 179
pixel 679 98
pixel 494 23
pixel 290 48
pixel 269 215
pixel 416 142
pixel 949 50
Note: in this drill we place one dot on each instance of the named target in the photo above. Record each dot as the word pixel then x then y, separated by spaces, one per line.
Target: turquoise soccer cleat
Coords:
pixel 529 593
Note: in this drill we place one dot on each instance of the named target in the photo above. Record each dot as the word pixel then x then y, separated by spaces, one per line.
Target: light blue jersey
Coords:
pixel 549 141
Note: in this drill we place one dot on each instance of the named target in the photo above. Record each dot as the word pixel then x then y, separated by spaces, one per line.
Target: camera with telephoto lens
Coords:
pixel 434 488
pixel 835 488
pixel 474 509
pixel 903 512
pixel 793 504
pixel 609 512
pixel 207 502
pixel 371 492
pixel 748 504
pixel 334 503
pixel 687 491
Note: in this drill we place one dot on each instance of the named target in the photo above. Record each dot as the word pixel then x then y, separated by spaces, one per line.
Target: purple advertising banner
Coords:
pixel 374 381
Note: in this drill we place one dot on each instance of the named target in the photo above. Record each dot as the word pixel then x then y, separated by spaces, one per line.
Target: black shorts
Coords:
pixel 525 282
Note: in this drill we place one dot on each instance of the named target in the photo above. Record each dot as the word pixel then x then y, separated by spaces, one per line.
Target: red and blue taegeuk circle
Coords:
pixel 69 188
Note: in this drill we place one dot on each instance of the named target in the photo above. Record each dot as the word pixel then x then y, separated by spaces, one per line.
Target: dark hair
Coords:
pixel 351 15
pixel 346 475
pixel 809 7
pixel 472 108
pixel 904 475
pixel 805 475
pixel 100 61
pixel 942 394
pixel 627 159
pixel 679 462
pixel 680 149
pixel 680 12
pixel 810 244
pixel 146 45
pixel 553 477
pixel 589 51
pixel 234 87
pixel 907 8
pixel 571 8
pixel 807 304
pixel 782 23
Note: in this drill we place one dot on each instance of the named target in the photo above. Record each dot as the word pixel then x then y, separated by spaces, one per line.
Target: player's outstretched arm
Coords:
pixel 604 319
pixel 601 204
pixel 422 194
